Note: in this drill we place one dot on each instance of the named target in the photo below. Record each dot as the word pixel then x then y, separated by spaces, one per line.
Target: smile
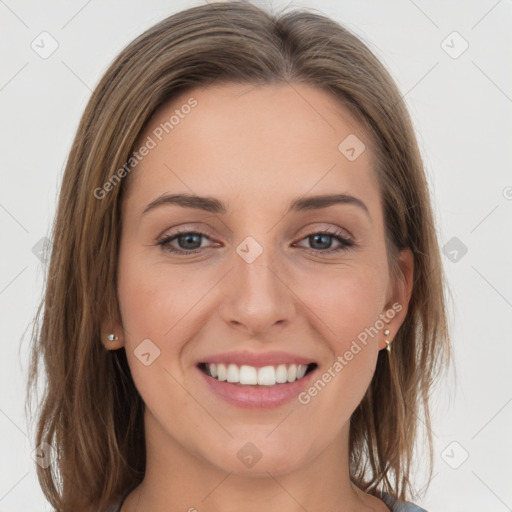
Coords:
pixel 256 388
pixel 250 375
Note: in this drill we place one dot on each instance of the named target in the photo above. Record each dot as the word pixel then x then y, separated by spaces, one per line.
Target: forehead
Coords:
pixel 266 142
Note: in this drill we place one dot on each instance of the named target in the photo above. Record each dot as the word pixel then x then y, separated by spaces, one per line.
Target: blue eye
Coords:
pixel 189 242
pixel 324 238
pixel 186 239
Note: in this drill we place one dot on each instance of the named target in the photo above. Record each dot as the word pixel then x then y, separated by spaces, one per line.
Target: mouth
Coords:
pixel 256 380
pixel 257 377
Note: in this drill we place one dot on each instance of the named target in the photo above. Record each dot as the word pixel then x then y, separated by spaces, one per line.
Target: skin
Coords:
pixel 256 149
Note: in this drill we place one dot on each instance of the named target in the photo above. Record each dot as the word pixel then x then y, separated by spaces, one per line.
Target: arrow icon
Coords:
pixel 249 454
pixel 243 249
pixel 454 249
pixel 44 454
pixel 351 147
pixel 147 352
pixel 454 45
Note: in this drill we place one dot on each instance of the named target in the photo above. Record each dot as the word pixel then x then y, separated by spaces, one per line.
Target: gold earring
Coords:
pixel 388 343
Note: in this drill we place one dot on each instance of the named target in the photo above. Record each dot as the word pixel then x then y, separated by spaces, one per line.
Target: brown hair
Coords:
pixel 91 412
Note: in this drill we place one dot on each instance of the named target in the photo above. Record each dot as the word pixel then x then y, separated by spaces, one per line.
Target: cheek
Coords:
pixel 163 303
pixel 153 298
pixel 345 300
pixel 346 304
pixel 154 303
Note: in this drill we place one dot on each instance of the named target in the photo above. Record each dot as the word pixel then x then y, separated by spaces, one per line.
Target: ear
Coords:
pixel 399 295
pixel 112 324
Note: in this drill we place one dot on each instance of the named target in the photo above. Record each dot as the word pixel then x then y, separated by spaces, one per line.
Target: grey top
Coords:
pixel 395 505
pixel 399 506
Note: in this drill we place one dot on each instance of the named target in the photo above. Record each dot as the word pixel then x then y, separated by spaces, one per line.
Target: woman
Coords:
pixel 244 306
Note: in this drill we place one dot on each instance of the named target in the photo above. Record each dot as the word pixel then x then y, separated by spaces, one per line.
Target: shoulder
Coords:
pixel 396 506
pixel 400 506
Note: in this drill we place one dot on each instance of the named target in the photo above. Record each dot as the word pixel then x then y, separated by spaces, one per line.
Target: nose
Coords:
pixel 257 298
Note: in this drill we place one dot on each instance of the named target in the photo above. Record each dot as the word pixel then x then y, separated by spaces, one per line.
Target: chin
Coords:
pixel 258 458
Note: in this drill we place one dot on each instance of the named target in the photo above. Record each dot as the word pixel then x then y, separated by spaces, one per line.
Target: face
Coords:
pixel 251 279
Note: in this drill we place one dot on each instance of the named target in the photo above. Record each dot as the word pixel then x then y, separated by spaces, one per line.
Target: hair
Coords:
pixel 91 412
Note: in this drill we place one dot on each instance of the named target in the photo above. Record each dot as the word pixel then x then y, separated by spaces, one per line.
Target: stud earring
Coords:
pixel 112 337
pixel 388 343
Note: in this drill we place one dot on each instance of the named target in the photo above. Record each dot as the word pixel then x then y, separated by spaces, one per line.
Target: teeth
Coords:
pixel 266 375
pixel 301 371
pixel 281 374
pixel 249 375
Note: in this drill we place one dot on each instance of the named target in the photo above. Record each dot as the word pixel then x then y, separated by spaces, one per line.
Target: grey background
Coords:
pixel 461 104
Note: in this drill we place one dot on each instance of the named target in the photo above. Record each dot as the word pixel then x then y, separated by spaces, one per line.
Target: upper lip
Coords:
pixel 256 359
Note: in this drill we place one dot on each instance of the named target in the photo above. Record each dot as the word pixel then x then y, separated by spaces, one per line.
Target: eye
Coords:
pixel 189 242
pixel 322 241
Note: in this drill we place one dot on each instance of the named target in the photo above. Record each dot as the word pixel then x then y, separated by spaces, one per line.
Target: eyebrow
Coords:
pixel 213 205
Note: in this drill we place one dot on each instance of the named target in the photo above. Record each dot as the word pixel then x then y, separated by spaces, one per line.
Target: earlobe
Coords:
pixel 112 335
pixel 397 307
pixel 111 339
pixel 113 342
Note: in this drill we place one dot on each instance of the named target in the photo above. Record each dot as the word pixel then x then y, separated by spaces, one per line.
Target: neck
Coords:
pixel 179 479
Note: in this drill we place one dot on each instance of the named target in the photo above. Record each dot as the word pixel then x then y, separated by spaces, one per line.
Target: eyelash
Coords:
pixel 337 235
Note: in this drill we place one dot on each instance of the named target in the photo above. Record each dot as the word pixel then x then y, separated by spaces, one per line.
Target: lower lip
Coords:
pixel 257 397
